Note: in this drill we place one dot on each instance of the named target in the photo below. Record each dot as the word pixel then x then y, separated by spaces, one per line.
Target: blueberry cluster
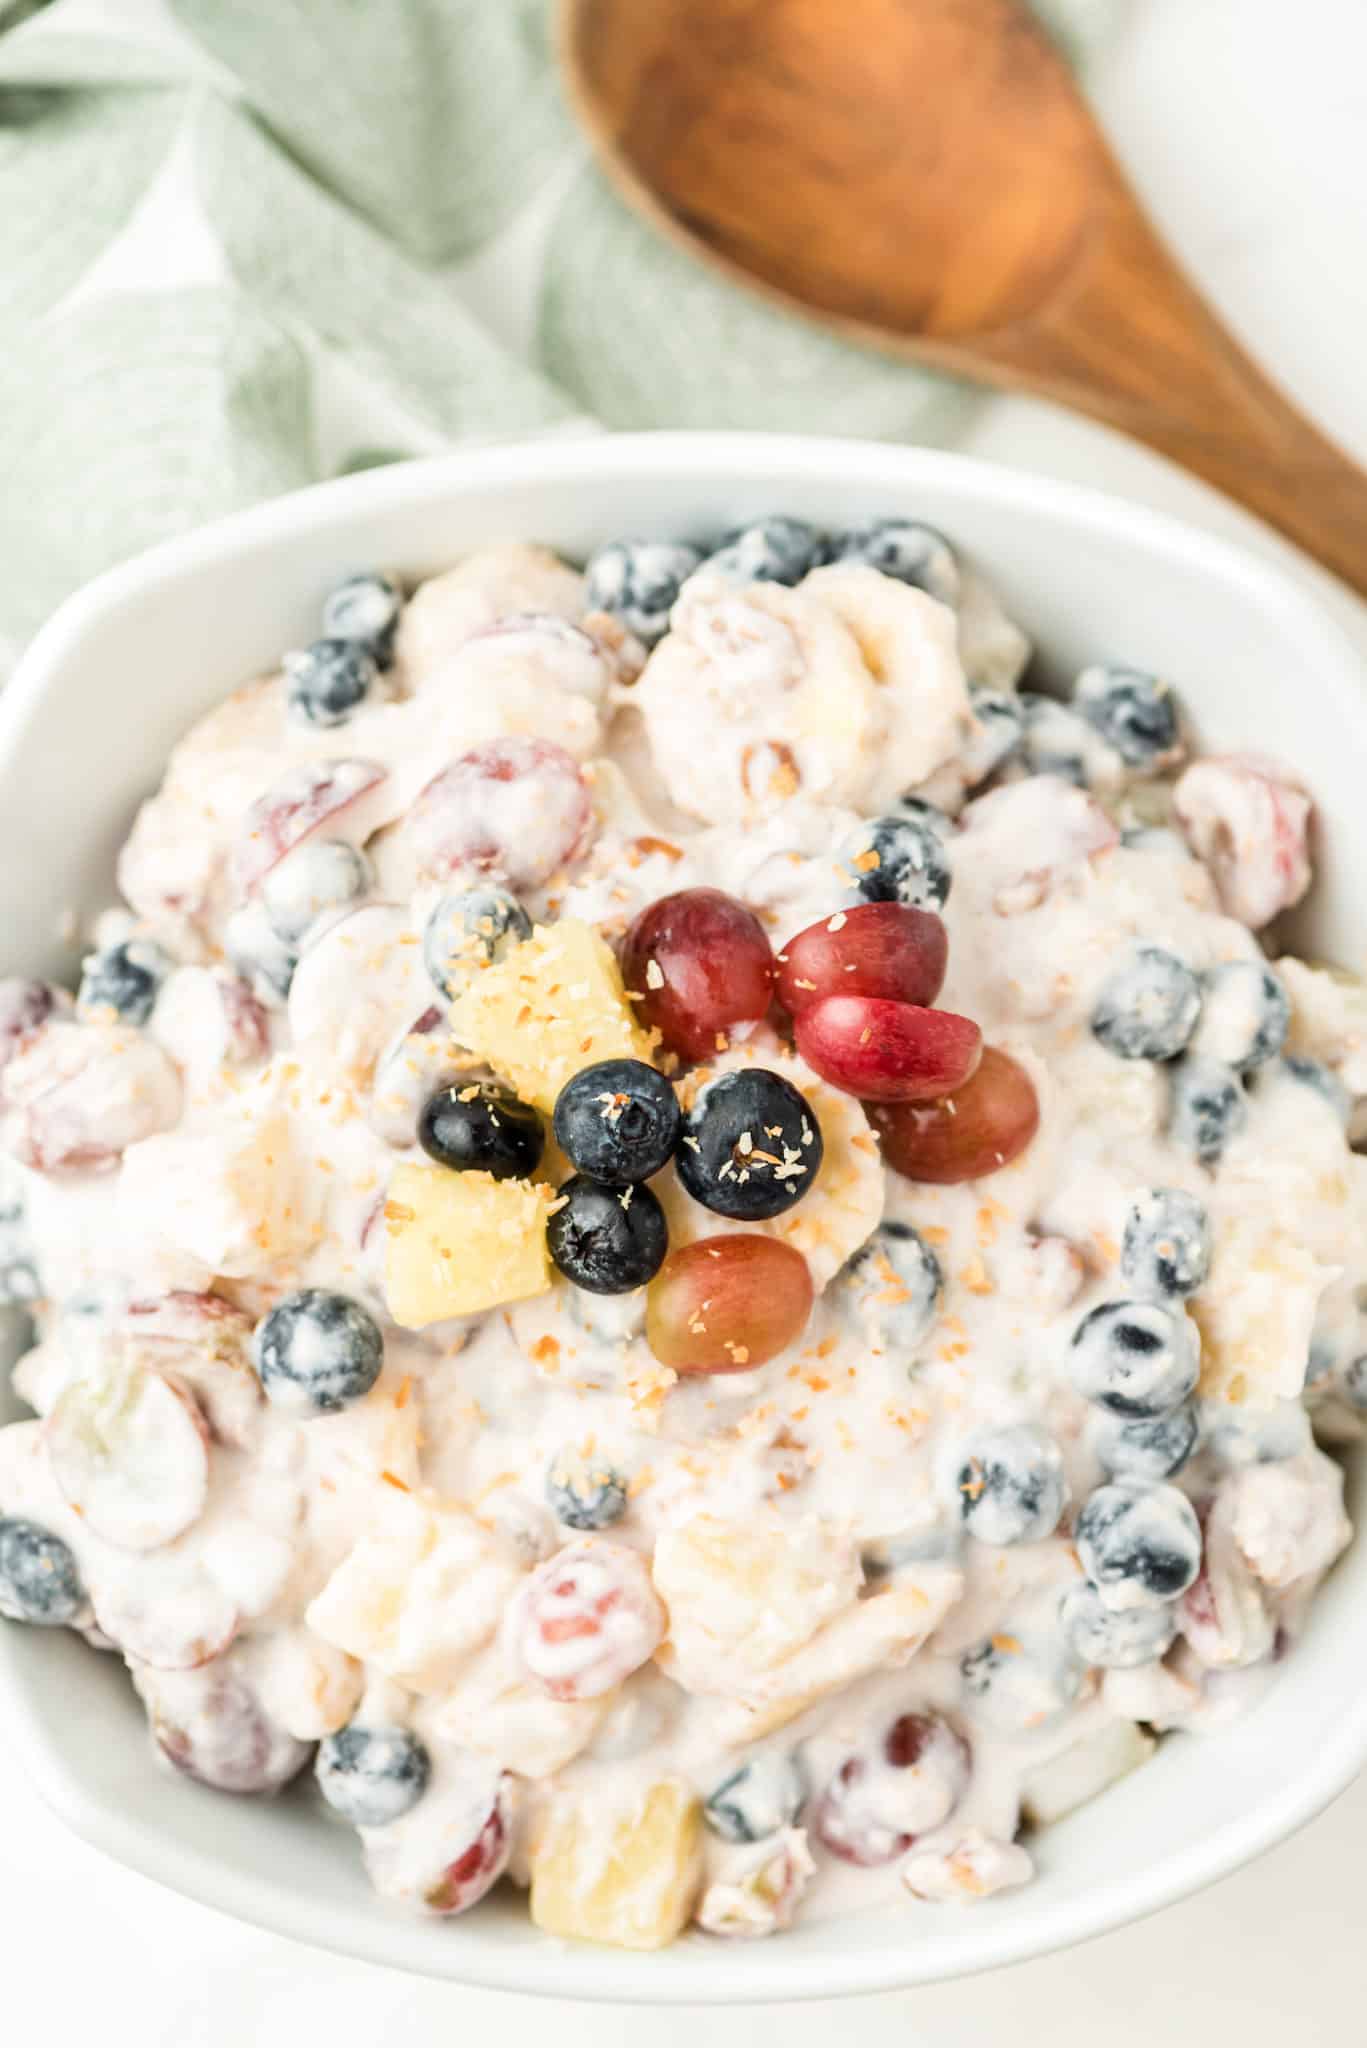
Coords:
pixel 1214 1031
pixel 638 581
pixel 1139 1543
pixel 618 1123
pixel 329 680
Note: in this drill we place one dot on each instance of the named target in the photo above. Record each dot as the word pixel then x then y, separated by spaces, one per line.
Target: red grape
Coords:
pixel 515 807
pixel 699 963
pixel 728 1303
pixel 476 1869
pixel 980 1127
pixel 210 1724
pixel 313 793
pixel 586 1619
pixel 905 1785
pixel 888 1052
pixel 876 949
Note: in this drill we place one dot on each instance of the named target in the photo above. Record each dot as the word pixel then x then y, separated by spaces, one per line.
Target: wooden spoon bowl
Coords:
pixel 925 175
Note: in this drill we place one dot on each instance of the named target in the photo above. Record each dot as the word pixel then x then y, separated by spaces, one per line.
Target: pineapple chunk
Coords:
pixel 744 1594
pixel 631 1882
pixel 554 1005
pixel 420 1594
pixel 1076 1775
pixel 462 1242
pixel 1256 1314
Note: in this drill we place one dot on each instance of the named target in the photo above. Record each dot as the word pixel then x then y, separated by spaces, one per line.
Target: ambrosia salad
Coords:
pixel 684 1239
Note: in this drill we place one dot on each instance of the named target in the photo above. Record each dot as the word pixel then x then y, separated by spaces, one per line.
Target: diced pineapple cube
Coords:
pixel 745 1594
pixel 461 1242
pixel 631 1883
pixel 553 1005
pixel 1256 1314
pixel 419 1595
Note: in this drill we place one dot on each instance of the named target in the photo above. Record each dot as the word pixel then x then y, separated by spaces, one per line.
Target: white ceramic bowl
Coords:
pixel 84 729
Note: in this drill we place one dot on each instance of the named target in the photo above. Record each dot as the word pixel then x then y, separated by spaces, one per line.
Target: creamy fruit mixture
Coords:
pixel 685 1239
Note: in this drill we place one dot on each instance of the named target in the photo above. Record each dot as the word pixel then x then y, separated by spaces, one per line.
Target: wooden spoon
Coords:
pixel 926 176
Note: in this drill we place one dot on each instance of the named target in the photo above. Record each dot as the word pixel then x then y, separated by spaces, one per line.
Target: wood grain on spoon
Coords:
pixel 925 175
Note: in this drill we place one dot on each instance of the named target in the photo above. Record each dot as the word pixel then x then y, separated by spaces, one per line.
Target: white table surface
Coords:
pixel 1245 124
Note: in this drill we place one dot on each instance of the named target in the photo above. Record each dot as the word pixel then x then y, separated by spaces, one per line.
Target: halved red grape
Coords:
pixel 514 807
pixel 876 949
pixel 728 1303
pixel 698 963
pixel 905 1784
pixel 312 793
pixel 978 1129
pixel 888 1052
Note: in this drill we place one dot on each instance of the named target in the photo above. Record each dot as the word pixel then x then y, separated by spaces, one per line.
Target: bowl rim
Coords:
pixel 735 1973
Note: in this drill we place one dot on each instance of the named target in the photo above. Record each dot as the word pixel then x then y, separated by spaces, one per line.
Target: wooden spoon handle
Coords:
pixel 1130 341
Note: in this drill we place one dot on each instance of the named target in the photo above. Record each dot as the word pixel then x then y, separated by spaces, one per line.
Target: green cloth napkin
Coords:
pixel 246 244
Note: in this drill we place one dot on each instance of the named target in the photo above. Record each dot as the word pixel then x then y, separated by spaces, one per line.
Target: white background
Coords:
pixel 1244 123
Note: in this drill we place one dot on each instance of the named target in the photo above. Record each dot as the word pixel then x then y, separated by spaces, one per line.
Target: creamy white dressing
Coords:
pixel 802 1521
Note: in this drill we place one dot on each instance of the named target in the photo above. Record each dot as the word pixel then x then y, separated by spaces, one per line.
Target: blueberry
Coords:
pixel 607 1240
pixel 366 609
pixel 328 681
pixel 618 1121
pixel 1134 712
pixel 20 1285
pixel 892 1287
pixel 1245 1015
pixel 1152 1448
pixel 1058 742
pixel 316 877
pixel 1136 1358
pixel 1208 1107
pixel 764 1795
pixel 1325 1082
pixel 906 549
pixel 481 1127
pixel 1139 1539
pixel 751 1145
pixel 372 1776
pixel 638 582
pixel 265 961
pixel 317 1351
pixel 1115 1638
pixel 1167 1244
pixel 1016 1685
pixel 470 930
pixel 771 551
pixel 1148 1005
pixel 1010 1485
pixel 124 979
pixel 998 736
pixel 39 1580
pixel 585 1492
pixel 899 860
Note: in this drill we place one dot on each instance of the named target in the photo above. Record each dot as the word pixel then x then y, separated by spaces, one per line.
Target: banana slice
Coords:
pixel 781 683
pixel 909 644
